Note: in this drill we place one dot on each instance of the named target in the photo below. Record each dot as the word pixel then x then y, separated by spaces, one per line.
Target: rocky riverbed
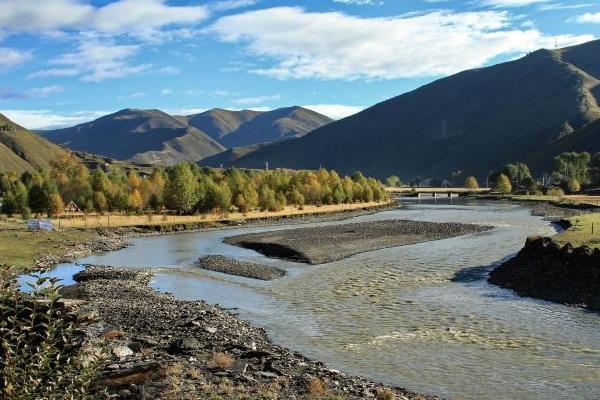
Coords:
pixel 227 265
pixel 545 270
pixel 163 348
pixel 318 245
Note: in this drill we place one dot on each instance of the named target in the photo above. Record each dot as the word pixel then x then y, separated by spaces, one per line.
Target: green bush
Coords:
pixel 41 356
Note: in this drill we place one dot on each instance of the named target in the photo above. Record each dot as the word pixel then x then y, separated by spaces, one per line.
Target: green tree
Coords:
pixel 100 202
pixel 516 172
pixel 502 184
pixel 180 190
pixel 393 181
pixel 572 165
pixel 530 184
pixel 594 169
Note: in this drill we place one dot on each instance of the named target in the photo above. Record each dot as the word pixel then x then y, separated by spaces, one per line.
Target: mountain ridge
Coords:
pixel 473 121
pixel 155 137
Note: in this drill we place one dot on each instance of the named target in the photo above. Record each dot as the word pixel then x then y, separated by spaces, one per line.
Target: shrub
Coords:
pixel 555 192
pixel 385 394
pixel 316 387
pixel 222 361
pixel 41 355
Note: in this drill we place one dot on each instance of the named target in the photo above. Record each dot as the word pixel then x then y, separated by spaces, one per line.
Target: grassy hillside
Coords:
pixel 218 123
pixel 154 137
pixel 22 150
pixel 473 121
pixel 147 136
pixel 229 156
pixel 275 126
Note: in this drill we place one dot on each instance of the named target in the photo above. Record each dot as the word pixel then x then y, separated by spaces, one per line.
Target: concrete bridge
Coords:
pixel 435 191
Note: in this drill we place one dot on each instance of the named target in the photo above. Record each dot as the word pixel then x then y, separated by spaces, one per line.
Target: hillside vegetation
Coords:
pixel 22 150
pixel 154 137
pixel 530 109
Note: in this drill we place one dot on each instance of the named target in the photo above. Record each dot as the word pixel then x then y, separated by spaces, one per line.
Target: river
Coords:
pixel 419 316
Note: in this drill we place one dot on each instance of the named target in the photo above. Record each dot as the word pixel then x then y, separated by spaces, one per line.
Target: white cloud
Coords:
pixel 185 111
pixel 12 57
pixel 166 92
pixel 256 99
pixel 134 95
pixel 588 18
pixel 335 111
pixel 138 17
pixel 511 3
pixel 94 62
pixel 169 71
pixel 562 6
pixel 358 2
pixel 46 91
pixel 335 45
pixel 46 119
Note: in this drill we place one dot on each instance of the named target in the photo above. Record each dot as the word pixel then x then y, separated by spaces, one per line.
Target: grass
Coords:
pixel 118 220
pixel 580 233
pixel 21 248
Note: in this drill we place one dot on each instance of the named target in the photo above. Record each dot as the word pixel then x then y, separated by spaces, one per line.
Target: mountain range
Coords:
pixel 154 137
pixel 475 121
pixel 526 110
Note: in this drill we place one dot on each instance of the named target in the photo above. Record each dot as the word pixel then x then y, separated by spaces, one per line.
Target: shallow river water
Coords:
pixel 419 316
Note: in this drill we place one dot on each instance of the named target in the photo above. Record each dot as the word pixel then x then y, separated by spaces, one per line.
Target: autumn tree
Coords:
pixel 502 184
pixel 471 183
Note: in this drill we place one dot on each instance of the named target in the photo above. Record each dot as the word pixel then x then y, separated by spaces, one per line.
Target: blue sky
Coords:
pixel 63 62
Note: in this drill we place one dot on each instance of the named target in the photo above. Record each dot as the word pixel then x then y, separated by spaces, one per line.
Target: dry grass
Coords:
pixel 316 387
pixel 222 361
pixel 385 394
pixel 116 220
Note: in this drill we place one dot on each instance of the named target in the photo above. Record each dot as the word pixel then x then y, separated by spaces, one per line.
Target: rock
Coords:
pixel 270 375
pixel 184 346
pixel 211 330
pixel 111 334
pixel 122 351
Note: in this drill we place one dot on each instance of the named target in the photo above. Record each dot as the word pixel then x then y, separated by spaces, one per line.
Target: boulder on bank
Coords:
pixel 246 269
pixel 544 270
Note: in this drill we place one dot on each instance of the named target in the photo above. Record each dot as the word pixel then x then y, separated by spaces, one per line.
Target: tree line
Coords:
pixel 572 171
pixel 183 188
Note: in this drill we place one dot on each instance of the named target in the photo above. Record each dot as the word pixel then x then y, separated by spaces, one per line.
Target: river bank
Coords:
pixel 323 244
pixel 162 347
pixel 545 270
pixel 23 251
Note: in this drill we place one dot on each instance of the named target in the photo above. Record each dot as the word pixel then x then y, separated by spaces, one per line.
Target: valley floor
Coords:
pixel 161 347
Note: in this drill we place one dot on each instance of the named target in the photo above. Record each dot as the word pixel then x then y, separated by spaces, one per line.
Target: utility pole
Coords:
pixel 266 165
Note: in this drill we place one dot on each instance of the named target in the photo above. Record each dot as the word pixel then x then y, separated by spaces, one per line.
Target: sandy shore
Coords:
pixel 163 348
pixel 246 269
pixel 318 245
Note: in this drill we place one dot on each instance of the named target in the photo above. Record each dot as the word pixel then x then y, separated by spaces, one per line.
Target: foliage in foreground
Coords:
pixel 41 356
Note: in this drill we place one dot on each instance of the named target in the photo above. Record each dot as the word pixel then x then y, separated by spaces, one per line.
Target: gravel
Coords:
pixel 246 269
pixel 161 347
pixel 318 245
